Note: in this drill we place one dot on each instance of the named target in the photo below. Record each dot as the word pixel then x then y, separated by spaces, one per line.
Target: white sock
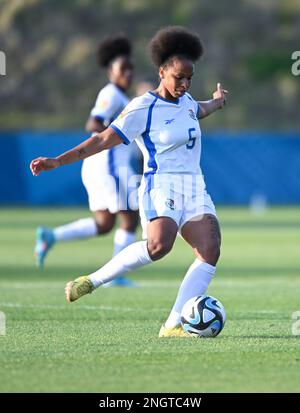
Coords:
pixel 83 228
pixel 195 283
pixel 122 239
pixel 134 256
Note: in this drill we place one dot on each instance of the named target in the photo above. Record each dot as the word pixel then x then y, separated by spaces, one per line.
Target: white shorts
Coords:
pixel 171 197
pixel 109 187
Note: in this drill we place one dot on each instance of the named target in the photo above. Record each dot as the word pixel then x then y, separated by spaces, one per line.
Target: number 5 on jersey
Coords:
pixel 192 138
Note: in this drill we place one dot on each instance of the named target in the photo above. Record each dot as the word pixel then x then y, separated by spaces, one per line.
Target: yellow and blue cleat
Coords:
pixel 176 331
pixel 78 288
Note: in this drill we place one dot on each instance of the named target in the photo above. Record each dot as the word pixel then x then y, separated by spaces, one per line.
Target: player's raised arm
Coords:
pixel 209 106
pixel 96 143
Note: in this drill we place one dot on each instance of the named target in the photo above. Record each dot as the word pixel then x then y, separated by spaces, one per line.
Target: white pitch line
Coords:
pixel 240 284
pixel 82 307
pixel 104 308
pixel 65 307
pixel 55 285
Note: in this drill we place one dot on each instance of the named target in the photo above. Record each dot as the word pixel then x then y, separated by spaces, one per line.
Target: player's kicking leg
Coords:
pixel 136 255
pixel 124 236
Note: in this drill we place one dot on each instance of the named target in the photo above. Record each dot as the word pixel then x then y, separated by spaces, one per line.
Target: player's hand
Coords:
pixel 43 164
pixel 220 94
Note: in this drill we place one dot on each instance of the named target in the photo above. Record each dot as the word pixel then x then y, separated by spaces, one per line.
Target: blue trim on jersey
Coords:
pixel 165 100
pixel 149 210
pixel 99 118
pixel 148 142
pixel 126 141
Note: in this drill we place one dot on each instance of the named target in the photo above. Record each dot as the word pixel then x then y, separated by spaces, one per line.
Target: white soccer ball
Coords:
pixel 203 316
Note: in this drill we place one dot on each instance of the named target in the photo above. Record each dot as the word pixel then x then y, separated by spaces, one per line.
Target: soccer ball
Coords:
pixel 203 316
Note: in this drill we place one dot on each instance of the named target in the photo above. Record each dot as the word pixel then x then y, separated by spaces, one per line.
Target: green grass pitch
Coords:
pixel 108 342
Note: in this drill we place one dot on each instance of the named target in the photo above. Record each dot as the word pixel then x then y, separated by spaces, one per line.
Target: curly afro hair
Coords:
pixel 112 47
pixel 175 41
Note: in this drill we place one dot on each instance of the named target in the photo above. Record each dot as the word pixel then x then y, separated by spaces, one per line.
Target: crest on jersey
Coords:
pixel 192 114
pixel 170 204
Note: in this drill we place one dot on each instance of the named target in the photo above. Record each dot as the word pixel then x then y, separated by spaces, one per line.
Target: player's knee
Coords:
pixel 105 221
pixel 158 249
pixel 104 227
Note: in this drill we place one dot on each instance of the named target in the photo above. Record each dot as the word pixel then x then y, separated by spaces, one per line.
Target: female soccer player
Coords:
pixel 106 187
pixel 172 196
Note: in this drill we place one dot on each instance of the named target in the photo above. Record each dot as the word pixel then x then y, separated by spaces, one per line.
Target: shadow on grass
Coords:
pixel 16 272
pixel 259 224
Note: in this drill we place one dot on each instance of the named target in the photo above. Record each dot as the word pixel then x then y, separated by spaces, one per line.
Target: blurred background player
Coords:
pixel 106 174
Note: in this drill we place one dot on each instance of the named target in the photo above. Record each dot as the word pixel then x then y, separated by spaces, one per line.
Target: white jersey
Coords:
pixel 109 104
pixel 167 132
pixel 103 173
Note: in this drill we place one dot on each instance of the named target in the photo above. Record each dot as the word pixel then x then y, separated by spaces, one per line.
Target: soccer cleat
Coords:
pixel 121 282
pixel 172 332
pixel 44 242
pixel 78 288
